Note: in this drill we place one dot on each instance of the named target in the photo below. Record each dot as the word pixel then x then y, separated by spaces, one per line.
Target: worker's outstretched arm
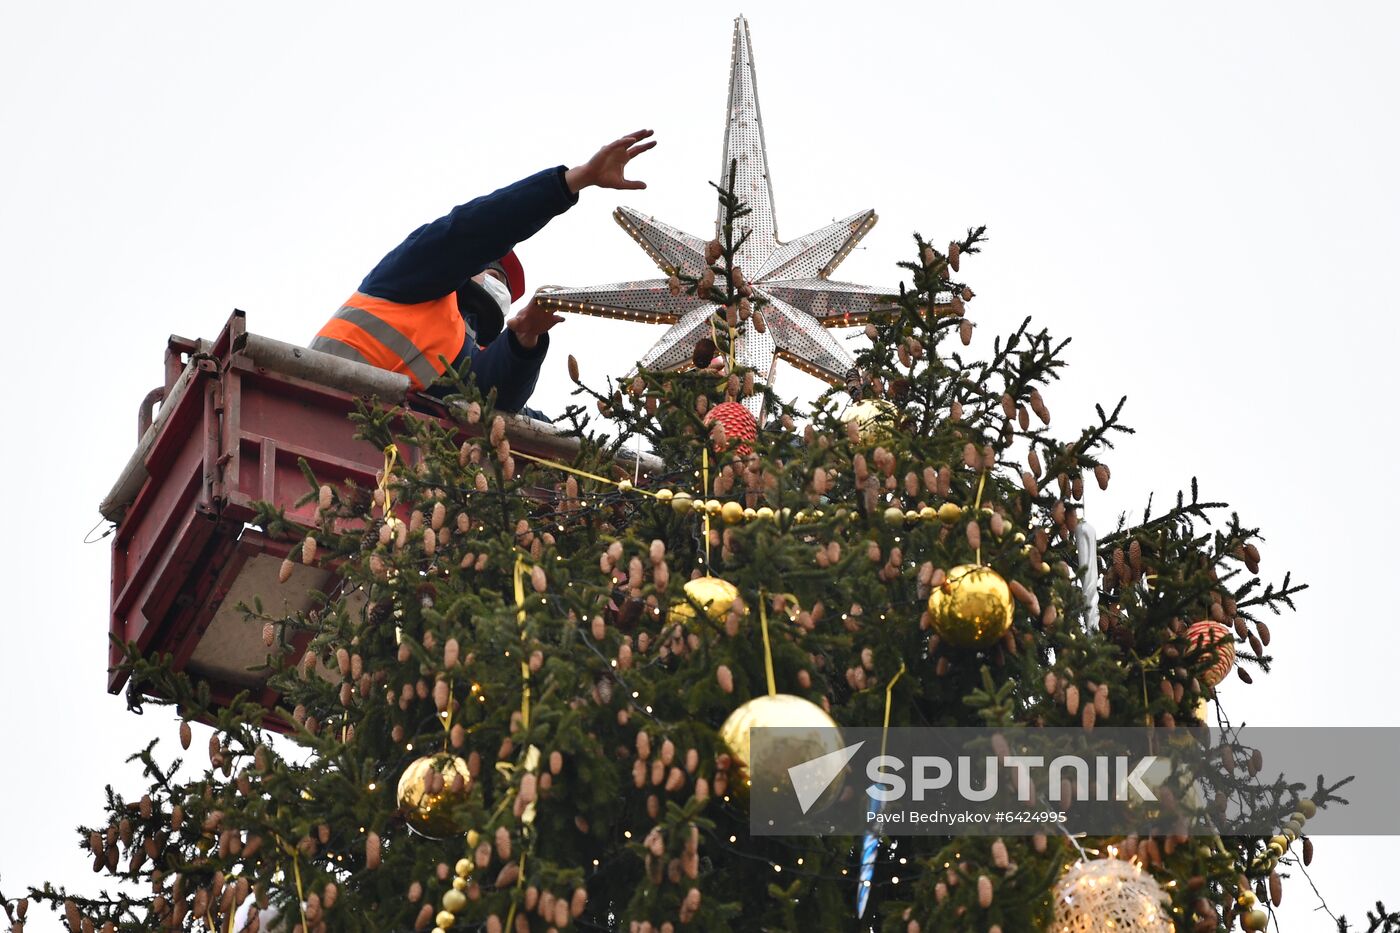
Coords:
pixel 438 257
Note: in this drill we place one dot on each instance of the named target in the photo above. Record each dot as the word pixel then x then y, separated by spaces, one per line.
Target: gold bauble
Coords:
pixel 1256 919
pixel 820 736
pixel 949 512
pixel 732 512
pixel 972 608
pixel 714 594
pixel 428 814
pixel 875 419
pixel 682 502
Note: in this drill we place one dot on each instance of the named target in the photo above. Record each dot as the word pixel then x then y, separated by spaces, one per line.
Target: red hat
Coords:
pixel 515 274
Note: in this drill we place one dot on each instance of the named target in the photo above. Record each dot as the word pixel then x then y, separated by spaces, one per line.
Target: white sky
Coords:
pixel 1203 195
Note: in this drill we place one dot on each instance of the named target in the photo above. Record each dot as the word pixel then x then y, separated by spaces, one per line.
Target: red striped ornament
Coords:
pixel 1208 634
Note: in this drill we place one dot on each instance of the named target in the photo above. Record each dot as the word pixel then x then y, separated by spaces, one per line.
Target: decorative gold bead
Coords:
pixel 950 512
pixel 894 515
pixel 459 884
pixel 453 900
pixel 764 514
pixel 732 512
pixel 713 506
pixel 928 513
pixel 464 866
pixel 911 516
pixel 445 919
pixel 682 502
pixel 750 514
pixel 664 495
pixel 624 485
pixel 1019 537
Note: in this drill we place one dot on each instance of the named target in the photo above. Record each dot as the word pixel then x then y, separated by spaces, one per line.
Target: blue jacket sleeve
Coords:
pixel 438 257
pixel 510 369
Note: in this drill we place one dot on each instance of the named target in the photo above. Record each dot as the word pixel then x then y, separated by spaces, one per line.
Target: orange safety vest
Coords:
pixel 401 338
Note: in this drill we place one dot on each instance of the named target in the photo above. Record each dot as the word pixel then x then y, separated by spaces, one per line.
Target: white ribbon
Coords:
pixel 1086 543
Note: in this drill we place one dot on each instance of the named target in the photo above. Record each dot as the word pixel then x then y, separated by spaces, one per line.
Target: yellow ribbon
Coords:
pixel 524 661
pixel 447 720
pixel 555 465
pixel 391 456
pixel 704 492
pixel 296 873
pixel 301 899
pixel 975 506
pixel 889 693
pixel 767 647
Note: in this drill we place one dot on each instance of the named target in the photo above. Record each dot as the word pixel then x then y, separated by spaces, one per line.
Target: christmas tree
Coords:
pixel 527 704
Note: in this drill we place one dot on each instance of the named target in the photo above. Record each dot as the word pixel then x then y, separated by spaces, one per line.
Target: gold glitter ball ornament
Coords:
pixel 714 594
pixel 431 813
pixel 972 608
pixel 875 419
pixel 819 736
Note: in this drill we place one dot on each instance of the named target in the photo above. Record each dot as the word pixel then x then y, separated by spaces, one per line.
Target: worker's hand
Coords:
pixel 531 321
pixel 607 167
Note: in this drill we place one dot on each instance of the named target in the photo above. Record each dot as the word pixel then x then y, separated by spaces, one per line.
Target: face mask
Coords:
pixel 499 291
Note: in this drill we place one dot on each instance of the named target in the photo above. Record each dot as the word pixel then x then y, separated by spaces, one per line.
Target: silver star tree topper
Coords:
pixel 802 302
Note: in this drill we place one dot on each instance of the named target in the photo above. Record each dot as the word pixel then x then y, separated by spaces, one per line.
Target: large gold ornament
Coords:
pixel 1110 894
pixel 875 419
pixel 820 736
pixel 714 594
pixel 429 791
pixel 972 608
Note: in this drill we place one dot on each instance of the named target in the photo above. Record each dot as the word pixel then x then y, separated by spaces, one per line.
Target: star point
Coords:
pixel 792 278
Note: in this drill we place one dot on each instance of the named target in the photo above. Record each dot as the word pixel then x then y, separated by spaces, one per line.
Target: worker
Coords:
pixel 445 292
